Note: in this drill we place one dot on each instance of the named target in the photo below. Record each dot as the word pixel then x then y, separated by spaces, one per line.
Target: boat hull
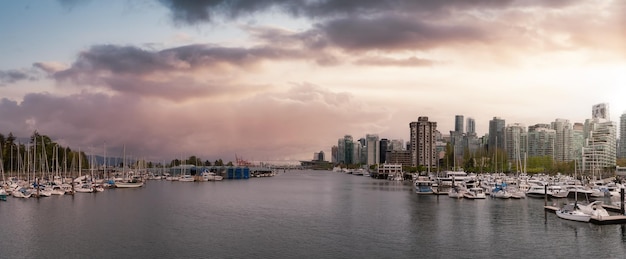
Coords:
pixel 128 185
pixel 573 215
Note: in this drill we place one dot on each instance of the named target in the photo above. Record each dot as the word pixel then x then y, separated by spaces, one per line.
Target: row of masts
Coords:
pixel 32 167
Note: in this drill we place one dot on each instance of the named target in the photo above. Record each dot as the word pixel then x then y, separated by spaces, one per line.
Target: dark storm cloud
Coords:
pixel 193 12
pixel 395 32
pixel 13 76
pixel 130 60
pixel 168 73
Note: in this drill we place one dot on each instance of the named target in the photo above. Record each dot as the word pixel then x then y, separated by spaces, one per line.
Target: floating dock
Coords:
pixel 610 220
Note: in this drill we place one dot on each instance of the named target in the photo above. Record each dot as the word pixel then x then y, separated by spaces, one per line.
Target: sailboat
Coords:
pixel 130 180
pixel 3 193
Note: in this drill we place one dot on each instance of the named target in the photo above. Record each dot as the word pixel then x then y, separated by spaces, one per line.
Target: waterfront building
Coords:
pixel 458 123
pixel 422 143
pixel 373 149
pixel 456 142
pixel 357 151
pixel 334 152
pixel 471 126
pixel 341 151
pixel 622 136
pixel 599 152
pixel 399 157
pixel 515 142
pixel 346 150
pixel 471 142
pixel 541 141
pixel 496 133
pixel 563 142
pixel 578 140
pixel 384 146
pixel 318 156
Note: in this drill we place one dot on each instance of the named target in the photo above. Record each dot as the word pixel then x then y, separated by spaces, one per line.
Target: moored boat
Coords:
pixel 475 193
pixel 423 185
pixel 572 212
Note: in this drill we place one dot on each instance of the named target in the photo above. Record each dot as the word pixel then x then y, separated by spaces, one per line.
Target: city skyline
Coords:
pixel 281 80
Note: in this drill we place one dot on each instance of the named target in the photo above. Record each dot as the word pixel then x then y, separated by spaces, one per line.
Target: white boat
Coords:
pixel 186 178
pixel 44 192
pixel 211 176
pixel 57 190
pixel 553 191
pixel 457 192
pixel 572 212
pixel 83 188
pixel 594 209
pixel 501 194
pixel 475 193
pixel 517 193
pixel 19 192
pixel 132 183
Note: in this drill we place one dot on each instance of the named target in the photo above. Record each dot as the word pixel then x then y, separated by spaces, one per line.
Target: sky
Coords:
pixel 277 80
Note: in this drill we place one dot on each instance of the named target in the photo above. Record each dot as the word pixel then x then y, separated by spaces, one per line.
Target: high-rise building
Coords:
pixel 600 111
pixel 384 146
pixel 346 150
pixel 622 136
pixel 496 133
pixel 599 152
pixel 578 140
pixel 397 144
pixel 373 149
pixel 402 157
pixel 515 139
pixel 458 123
pixel 471 125
pixel 341 151
pixel 423 145
pixel 563 142
pixel 334 152
pixel 318 156
pixel 541 141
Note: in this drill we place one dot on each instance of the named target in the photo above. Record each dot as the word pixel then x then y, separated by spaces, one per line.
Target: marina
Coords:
pixel 299 213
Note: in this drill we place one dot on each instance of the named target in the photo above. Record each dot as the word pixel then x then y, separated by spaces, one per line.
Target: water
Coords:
pixel 299 214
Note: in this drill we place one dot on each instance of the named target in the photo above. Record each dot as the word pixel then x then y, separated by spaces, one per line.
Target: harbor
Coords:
pixel 299 213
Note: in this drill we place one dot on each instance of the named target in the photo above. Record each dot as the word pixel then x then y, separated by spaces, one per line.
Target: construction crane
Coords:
pixel 242 162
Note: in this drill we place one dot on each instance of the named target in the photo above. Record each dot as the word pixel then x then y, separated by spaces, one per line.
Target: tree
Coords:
pixel 230 163
pixel 219 162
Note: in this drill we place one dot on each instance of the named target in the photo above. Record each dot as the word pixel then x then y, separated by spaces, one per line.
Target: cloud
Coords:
pixel 50 67
pixel 177 74
pixel 388 33
pixel 194 12
pixel 383 61
pixel 495 26
pixel 270 125
pixel 14 75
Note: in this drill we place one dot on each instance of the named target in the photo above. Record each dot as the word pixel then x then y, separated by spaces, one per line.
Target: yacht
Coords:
pixel 475 193
pixel 457 192
pixel 211 176
pixel 423 185
pixel 186 178
pixel 539 191
pixel 573 212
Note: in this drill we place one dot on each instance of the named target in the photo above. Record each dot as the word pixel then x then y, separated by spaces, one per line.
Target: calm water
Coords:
pixel 298 214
